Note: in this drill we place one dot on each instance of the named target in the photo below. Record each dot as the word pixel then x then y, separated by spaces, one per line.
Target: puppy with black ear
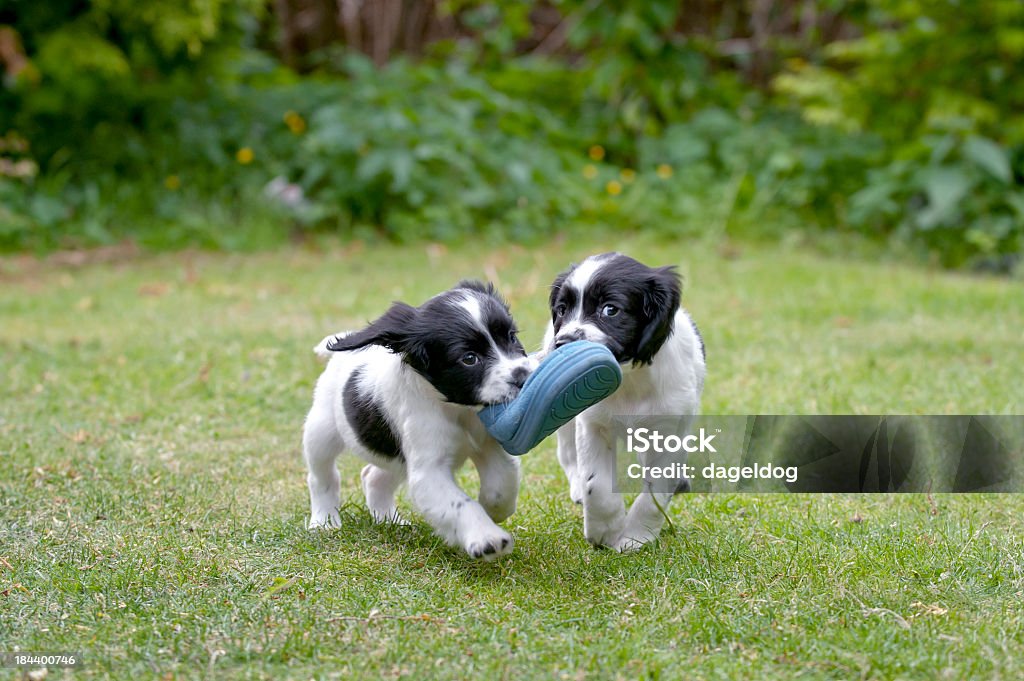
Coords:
pixel 634 311
pixel 402 394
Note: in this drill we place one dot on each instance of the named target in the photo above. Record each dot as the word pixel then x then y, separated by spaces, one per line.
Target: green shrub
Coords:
pixel 437 153
pixel 180 126
pixel 937 82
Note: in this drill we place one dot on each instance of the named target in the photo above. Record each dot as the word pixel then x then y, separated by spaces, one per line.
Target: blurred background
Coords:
pixel 241 124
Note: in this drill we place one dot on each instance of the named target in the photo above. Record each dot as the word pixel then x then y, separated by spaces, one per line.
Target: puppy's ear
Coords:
pixel 395 330
pixel 486 288
pixel 477 285
pixel 660 302
pixel 556 288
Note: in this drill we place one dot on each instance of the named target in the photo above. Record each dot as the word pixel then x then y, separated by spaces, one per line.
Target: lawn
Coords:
pixel 152 492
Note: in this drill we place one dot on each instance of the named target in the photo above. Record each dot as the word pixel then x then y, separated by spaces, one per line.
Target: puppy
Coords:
pixel 634 311
pixel 402 394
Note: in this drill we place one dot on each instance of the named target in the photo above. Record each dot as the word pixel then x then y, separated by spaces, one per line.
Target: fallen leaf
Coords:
pixel 729 251
pixel 435 252
pixel 155 289
pixel 929 609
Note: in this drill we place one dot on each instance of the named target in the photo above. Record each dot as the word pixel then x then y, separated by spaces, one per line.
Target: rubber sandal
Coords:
pixel 572 378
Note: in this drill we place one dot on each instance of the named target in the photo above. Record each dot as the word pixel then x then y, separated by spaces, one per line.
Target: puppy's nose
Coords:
pixel 519 376
pixel 569 338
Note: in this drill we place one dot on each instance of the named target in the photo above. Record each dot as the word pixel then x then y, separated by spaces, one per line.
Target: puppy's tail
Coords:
pixel 320 349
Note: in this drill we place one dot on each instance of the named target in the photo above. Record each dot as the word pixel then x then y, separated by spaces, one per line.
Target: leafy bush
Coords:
pixel 901 118
pixel 409 151
pixel 938 85
pixel 435 152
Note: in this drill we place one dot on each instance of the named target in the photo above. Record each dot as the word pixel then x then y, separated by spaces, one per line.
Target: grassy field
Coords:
pixel 152 493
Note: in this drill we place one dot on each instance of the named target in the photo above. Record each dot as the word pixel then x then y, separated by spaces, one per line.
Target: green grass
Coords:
pixel 152 493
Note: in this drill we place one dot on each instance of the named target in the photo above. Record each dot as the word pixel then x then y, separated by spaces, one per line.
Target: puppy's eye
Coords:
pixel 513 337
pixel 609 310
pixel 470 358
pixel 560 310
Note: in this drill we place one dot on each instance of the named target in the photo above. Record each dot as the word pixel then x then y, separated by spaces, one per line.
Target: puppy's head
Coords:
pixel 463 341
pixel 614 300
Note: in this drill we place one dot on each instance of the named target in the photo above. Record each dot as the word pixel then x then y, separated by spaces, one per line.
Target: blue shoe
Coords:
pixel 572 378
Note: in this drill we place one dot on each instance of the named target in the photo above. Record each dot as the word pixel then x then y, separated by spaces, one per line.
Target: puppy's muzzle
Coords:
pixel 519 377
pixel 576 335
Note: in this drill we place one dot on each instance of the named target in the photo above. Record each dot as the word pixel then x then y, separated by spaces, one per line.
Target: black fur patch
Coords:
pixel 367 419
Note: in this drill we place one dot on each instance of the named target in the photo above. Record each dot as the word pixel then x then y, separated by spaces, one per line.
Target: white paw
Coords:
pixel 603 530
pixel 499 510
pixel 322 520
pixel 488 543
pixel 643 525
pixel 629 542
pixel 389 517
pixel 575 489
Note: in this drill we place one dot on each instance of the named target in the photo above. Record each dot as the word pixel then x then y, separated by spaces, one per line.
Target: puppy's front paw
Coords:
pixel 488 544
pixel 603 530
pixel 323 519
pixel 575 489
pixel 629 542
pixel 641 528
pixel 499 508
pixel 392 517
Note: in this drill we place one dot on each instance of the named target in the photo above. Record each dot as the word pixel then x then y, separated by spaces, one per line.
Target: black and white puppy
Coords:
pixel 403 394
pixel 634 311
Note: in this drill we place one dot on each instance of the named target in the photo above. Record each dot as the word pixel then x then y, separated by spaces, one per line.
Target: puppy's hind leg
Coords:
pixel 566 437
pixel 644 521
pixel 379 486
pixel 499 480
pixel 321 445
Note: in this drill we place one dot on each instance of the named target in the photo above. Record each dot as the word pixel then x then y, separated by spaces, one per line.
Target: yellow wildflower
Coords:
pixel 295 122
pixel 614 187
pixel 664 171
pixel 245 156
pixel 590 171
pixel 628 175
pixel 172 182
pixel 596 152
